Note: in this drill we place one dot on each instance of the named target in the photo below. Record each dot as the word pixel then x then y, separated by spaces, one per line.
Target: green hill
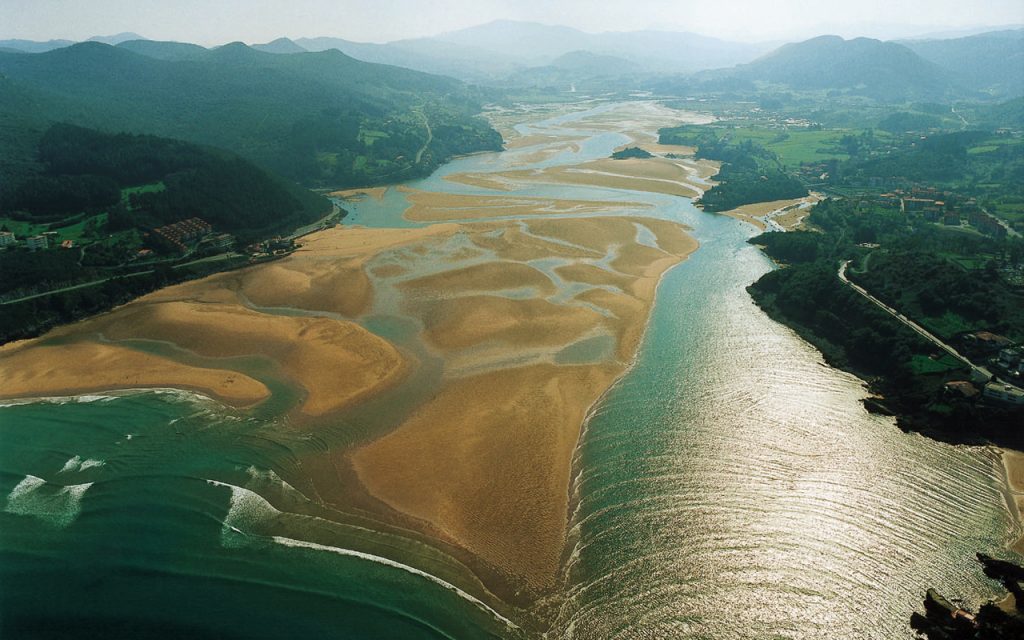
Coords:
pixel 319 118
pixel 143 181
pixel 881 70
pixel 993 61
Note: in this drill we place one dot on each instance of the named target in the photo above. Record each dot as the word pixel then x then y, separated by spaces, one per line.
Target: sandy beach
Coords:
pixel 1013 461
pixel 786 213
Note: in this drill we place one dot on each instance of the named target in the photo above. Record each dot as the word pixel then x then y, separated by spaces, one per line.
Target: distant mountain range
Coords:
pixel 524 54
pixel 989 61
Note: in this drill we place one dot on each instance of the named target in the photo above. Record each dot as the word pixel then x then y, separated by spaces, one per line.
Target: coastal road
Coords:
pixel 85 285
pixel 910 323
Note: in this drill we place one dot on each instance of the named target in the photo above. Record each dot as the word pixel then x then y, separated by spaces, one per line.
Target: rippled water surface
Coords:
pixel 729 486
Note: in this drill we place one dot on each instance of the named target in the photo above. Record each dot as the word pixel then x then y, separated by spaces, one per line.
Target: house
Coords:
pixel 1009 358
pixel 7 239
pixel 177 234
pixel 916 204
pixel 67 244
pixel 961 388
pixel 988 340
pixel 37 242
pixel 1002 392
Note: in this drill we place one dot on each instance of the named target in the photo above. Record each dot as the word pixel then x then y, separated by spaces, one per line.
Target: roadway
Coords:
pixel 94 283
pixel 911 324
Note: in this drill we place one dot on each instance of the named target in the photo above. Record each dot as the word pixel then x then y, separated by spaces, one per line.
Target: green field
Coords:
pixel 70 229
pixel 923 365
pixel 795 145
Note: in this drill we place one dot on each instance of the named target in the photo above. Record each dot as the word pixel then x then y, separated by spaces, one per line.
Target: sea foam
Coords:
pixel 55 504
pixel 248 509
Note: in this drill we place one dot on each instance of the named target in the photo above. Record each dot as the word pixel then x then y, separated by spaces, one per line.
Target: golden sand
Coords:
pixel 538 139
pixel 465 322
pixel 74 369
pixel 751 212
pixel 632 175
pixel 487 276
pixel 1013 461
pixel 336 363
pixel 443 207
pixel 376 193
pixel 487 461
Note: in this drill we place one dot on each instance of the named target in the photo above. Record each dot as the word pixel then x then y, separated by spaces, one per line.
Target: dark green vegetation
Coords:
pixel 143 182
pixel 918 268
pixel 105 194
pixel 34 316
pixel 750 172
pixel 318 118
pixel 631 152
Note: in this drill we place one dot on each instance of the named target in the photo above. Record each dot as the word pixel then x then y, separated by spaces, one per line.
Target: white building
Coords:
pixel 1004 393
pixel 7 239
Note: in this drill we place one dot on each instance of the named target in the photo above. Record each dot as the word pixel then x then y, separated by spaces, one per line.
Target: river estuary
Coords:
pixel 730 485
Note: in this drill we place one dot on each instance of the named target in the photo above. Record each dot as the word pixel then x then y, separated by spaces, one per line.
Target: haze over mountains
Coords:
pixel 508 53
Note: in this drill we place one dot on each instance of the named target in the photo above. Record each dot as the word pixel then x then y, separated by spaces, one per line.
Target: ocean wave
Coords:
pixel 77 464
pixel 55 504
pixel 291 542
pixel 248 509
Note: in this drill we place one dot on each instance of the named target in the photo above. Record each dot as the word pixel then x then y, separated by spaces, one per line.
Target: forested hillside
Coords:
pixel 145 181
pixel 319 118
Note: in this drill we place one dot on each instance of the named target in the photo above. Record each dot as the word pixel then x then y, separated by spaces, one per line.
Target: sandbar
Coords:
pixel 487 461
pixel 445 207
pixel 78 368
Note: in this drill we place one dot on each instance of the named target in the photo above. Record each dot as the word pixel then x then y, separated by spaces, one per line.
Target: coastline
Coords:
pixel 1013 465
pixel 526 352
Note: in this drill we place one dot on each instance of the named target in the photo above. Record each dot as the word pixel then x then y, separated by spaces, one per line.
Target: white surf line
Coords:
pixel 291 542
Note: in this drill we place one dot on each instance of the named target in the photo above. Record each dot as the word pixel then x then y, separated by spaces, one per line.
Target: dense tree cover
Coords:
pixel 86 170
pixel 631 152
pixel 22 269
pixel 938 158
pixel 749 173
pixel 924 286
pixel 33 317
pixel 318 118
pixel 915 271
pixel 901 121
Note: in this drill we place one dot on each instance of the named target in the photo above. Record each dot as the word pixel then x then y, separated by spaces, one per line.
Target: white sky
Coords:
pixel 218 21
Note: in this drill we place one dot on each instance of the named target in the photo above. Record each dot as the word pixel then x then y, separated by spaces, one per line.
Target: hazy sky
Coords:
pixel 219 21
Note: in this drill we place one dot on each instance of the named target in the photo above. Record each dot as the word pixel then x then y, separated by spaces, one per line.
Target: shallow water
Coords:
pixel 729 486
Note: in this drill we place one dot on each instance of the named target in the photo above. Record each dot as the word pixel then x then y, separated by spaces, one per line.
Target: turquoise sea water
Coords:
pixel 729 486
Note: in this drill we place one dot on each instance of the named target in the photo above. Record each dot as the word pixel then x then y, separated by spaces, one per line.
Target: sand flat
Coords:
pixel 337 363
pixel 750 213
pixel 469 321
pixel 446 207
pixel 483 277
pixel 377 193
pixel 88 367
pixel 611 176
pixel 486 461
